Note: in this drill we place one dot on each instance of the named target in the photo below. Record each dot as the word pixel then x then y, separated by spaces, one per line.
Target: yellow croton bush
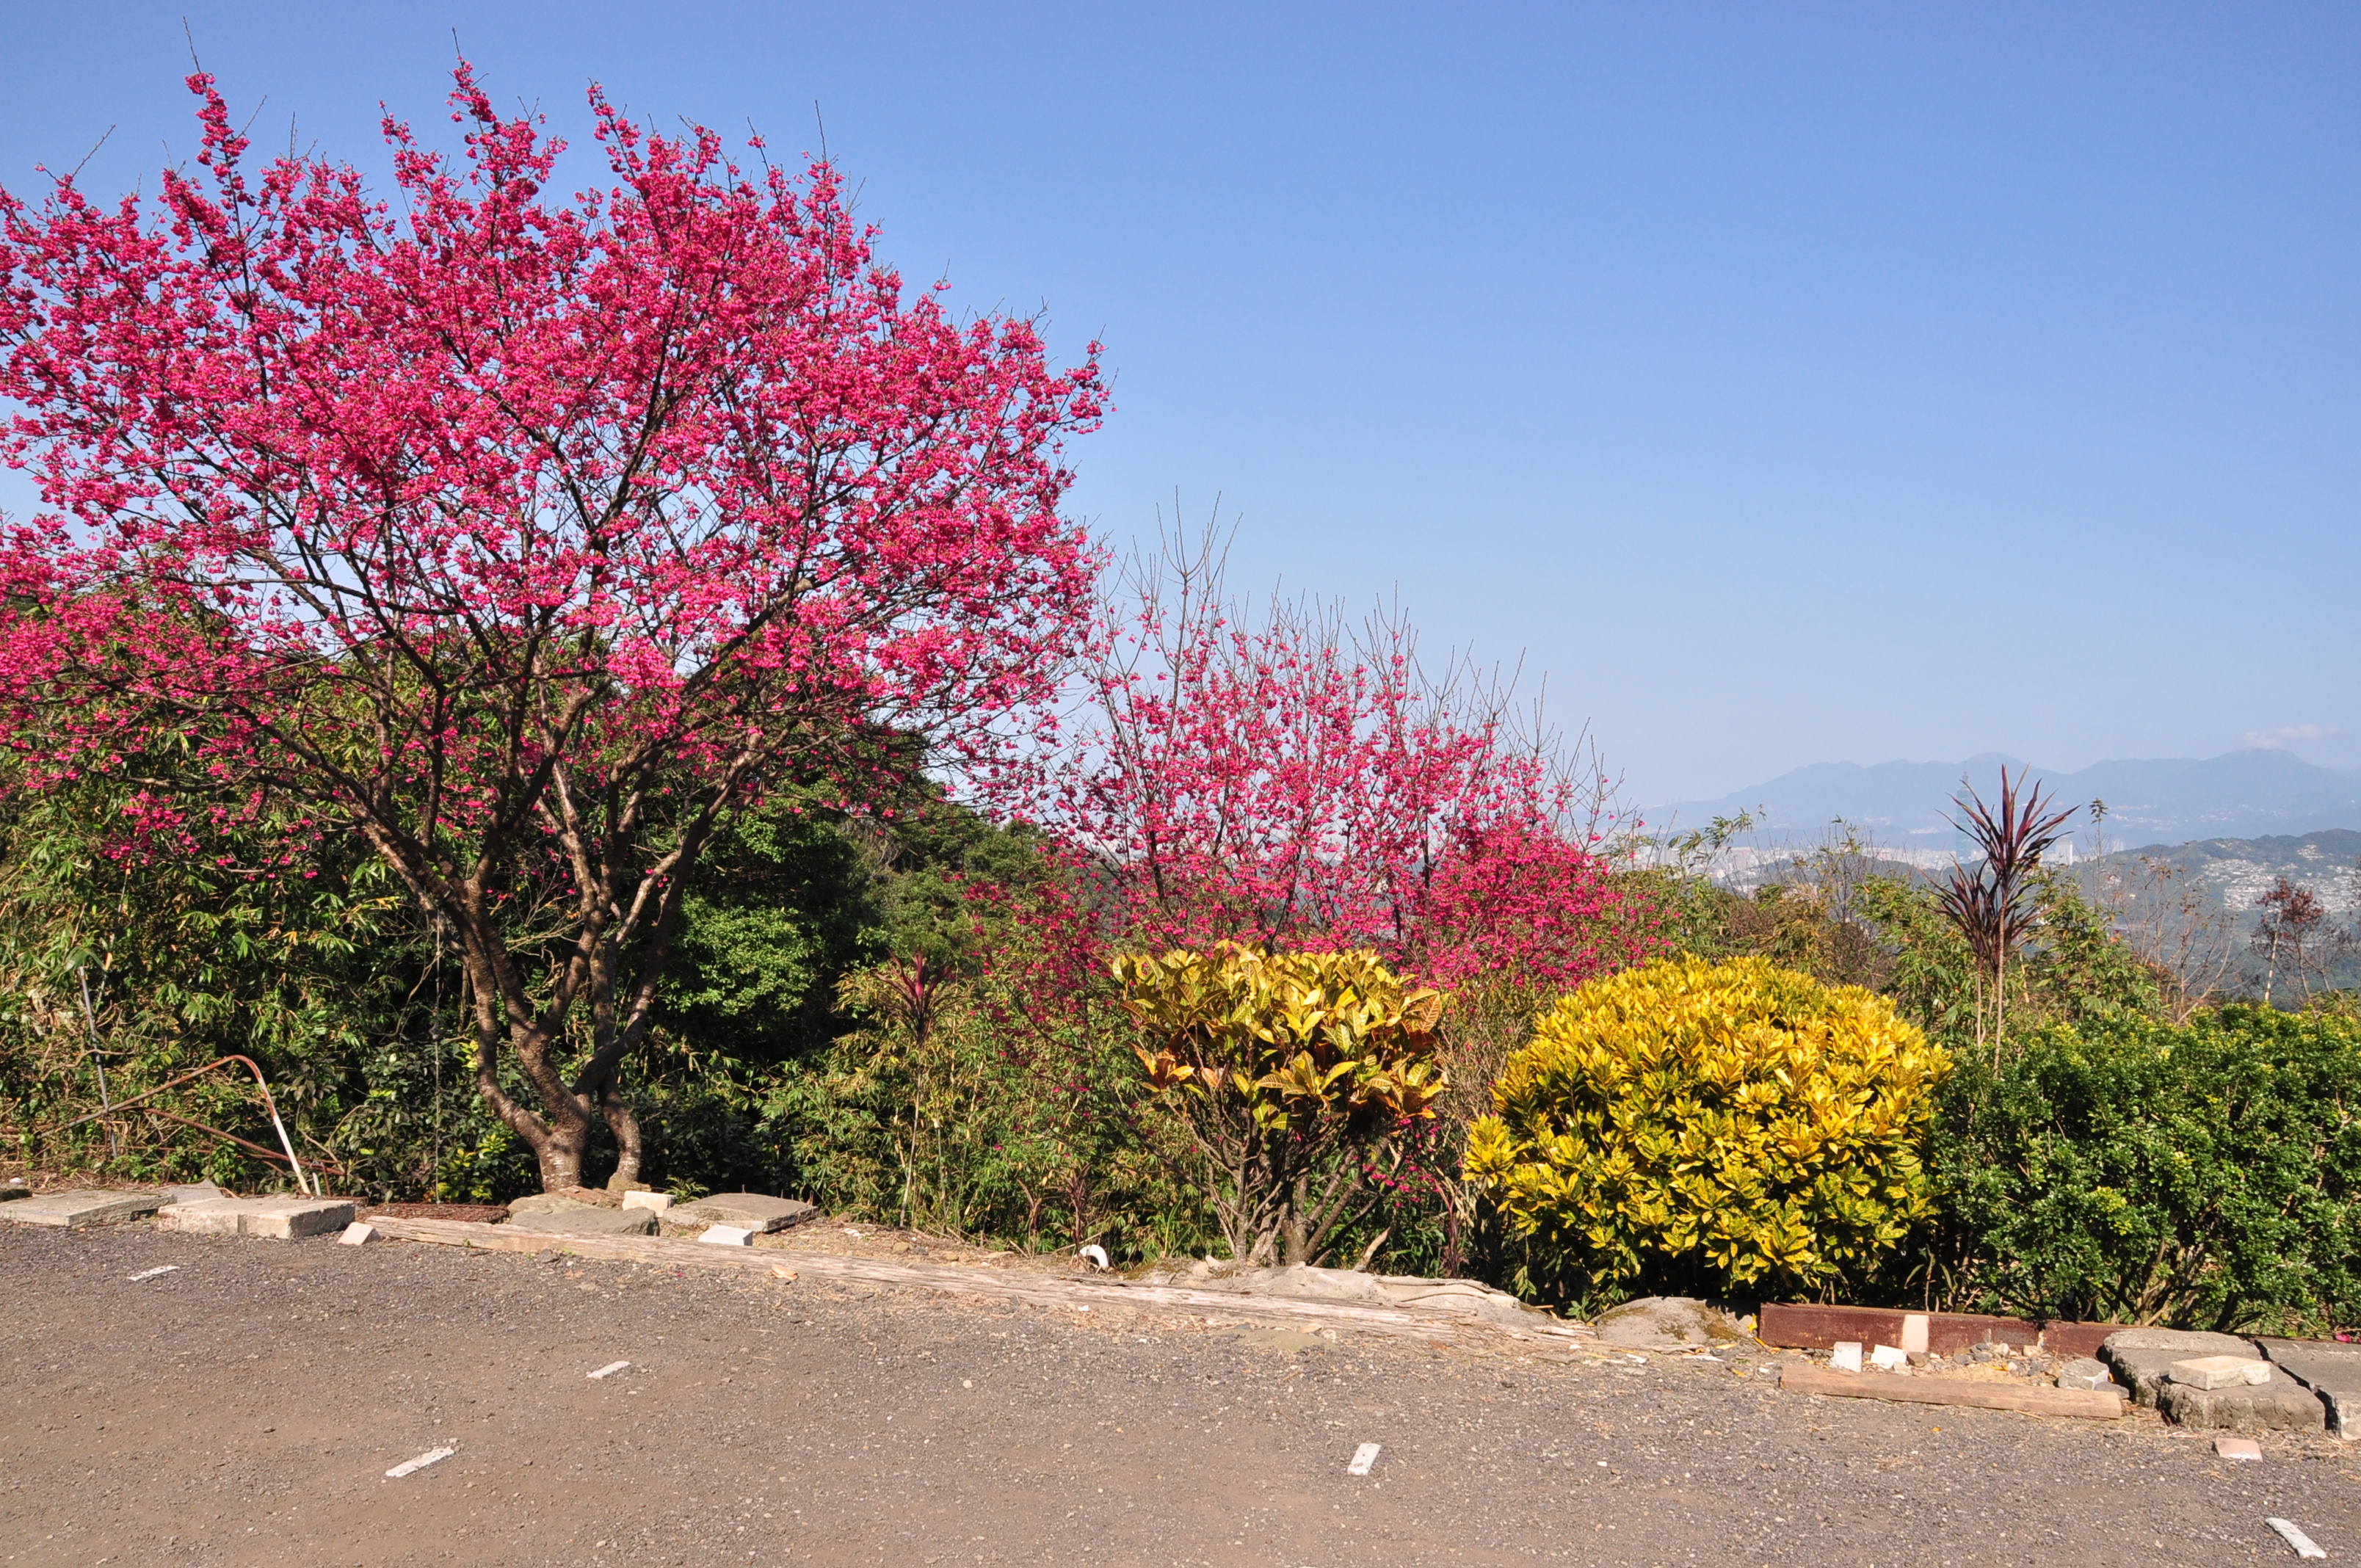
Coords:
pixel 1292 1072
pixel 1292 1037
pixel 1736 1123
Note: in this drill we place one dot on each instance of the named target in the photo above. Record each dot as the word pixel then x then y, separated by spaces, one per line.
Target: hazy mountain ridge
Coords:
pixel 2239 796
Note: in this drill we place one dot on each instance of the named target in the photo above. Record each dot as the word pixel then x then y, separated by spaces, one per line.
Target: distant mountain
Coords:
pixel 2240 795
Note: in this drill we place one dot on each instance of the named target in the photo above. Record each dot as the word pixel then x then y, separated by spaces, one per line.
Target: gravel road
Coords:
pixel 244 1408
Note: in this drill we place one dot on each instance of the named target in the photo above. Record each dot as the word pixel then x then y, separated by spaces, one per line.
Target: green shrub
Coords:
pixel 2127 1170
pixel 1710 1126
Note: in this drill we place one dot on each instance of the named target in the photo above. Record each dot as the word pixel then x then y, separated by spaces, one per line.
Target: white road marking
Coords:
pixel 2295 1537
pixel 407 1466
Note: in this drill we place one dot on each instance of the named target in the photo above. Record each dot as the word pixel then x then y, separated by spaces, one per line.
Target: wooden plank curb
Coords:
pixel 2091 1404
pixel 1004 1285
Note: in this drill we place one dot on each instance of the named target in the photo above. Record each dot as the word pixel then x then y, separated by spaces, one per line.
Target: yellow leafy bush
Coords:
pixel 1291 1071
pixel 1734 1125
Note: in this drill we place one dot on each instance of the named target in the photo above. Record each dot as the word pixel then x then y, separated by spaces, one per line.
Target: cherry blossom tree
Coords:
pixel 527 539
pixel 1291 779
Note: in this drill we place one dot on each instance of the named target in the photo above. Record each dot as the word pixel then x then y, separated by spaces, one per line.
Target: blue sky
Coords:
pixel 1791 385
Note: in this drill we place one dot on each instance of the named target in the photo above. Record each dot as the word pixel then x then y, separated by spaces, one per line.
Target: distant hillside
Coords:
pixel 2252 794
pixel 2237 872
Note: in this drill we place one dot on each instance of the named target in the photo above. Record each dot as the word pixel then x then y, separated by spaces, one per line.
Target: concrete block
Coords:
pixel 1914 1334
pixel 1888 1357
pixel 659 1201
pixel 2331 1370
pixel 1846 1357
pixel 753 1210
pixel 728 1236
pixel 71 1210
pixel 279 1218
pixel 196 1192
pixel 2243 1448
pixel 2085 1373
pixel 587 1222
pixel 2141 1357
pixel 2281 1405
pixel 2219 1371
pixel 357 1234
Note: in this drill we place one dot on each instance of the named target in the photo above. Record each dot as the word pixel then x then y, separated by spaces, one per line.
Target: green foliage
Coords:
pixel 1291 1072
pixel 787 901
pixel 2123 1169
pixel 310 969
pixel 1724 1126
pixel 974 1101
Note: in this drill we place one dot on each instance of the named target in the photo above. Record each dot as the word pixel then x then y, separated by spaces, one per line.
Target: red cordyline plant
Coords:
pixel 1991 906
pixel 1295 781
pixel 526 539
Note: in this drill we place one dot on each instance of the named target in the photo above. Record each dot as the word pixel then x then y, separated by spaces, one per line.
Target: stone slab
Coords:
pixel 71 1210
pixel 2142 1357
pixel 1660 1322
pixel 2281 1405
pixel 357 1234
pixel 196 1192
pixel 728 1236
pixel 2330 1370
pixel 551 1204
pixel 14 1188
pixel 755 1211
pixel 587 1221
pixel 2219 1371
pixel 278 1219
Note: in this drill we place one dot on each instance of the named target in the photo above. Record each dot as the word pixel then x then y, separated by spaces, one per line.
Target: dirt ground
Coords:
pixel 244 1408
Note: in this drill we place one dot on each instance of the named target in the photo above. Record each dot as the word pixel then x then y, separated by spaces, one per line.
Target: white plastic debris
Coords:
pixel 610 1369
pixel 1363 1457
pixel 152 1273
pixel 2295 1537
pixel 411 1466
pixel 1097 1255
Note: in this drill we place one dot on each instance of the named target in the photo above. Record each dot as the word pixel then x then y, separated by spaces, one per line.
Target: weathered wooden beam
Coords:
pixel 2089 1404
pixel 1798 1325
pixel 1803 1326
pixel 1007 1285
